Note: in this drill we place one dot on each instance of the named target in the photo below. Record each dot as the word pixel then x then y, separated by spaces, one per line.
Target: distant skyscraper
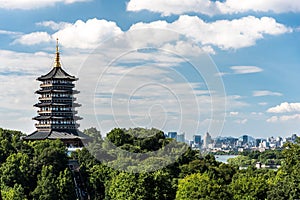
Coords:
pixel 181 137
pixel 245 139
pixel 206 140
pixel 257 142
pixel 172 135
pixel 197 139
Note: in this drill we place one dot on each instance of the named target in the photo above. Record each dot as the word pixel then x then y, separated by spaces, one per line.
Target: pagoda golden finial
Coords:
pixel 57 60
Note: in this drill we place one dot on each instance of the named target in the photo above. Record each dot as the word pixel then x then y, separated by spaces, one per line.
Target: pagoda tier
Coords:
pixel 57 105
pixel 57 115
pixel 56 118
pixel 58 92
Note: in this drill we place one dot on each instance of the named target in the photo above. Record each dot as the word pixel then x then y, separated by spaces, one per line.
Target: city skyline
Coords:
pixel 242 81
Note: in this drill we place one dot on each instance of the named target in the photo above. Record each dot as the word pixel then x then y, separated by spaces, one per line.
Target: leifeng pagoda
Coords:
pixel 57 115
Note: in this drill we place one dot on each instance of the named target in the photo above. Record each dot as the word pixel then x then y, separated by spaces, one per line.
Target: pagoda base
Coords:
pixel 72 139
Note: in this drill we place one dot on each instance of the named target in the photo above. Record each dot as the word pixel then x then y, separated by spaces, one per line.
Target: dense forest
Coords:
pixel 39 170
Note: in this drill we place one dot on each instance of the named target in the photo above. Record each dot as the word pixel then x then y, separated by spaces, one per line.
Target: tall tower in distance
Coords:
pixel 57 115
pixel 207 140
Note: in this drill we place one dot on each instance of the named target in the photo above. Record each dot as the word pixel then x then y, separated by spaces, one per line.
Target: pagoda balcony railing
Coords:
pixel 45 98
pixel 43 126
pixel 57 84
pixel 56 126
pixel 57 112
pixel 63 98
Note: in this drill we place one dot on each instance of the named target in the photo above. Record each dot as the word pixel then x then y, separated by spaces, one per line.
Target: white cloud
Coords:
pixel 285 108
pixel 233 113
pixel 225 34
pixel 173 7
pixel 87 34
pixel 283 118
pixel 221 74
pixel 210 8
pixel 5 32
pixel 209 50
pixel 33 4
pixel 84 35
pixel 186 48
pixel 277 6
pixel 257 113
pixel 260 93
pixel 53 25
pixel 245 69
pixel 272 119
pixel 33 38
pixel 241 121
pixel 262 103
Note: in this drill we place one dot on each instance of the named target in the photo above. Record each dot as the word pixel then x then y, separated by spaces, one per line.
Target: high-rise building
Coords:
pixel 245 139
pixel 207 140
pixel 57 115
pixel 172 135
pixel 197 139
pixel 180 137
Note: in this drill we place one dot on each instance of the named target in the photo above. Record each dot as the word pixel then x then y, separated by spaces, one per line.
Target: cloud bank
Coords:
pixel 33 4
pixel 285 108
pixel 261 93
pixel 245 69
pixel 210 8
pixel 224 34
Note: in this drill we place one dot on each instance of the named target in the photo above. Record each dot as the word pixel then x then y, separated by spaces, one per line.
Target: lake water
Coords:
pixel 224 158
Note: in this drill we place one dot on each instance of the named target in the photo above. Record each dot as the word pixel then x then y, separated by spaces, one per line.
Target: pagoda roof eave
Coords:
pixel 63 91
pixel 57 73
pixel 57 104
pixel 57 134
pixel 56 117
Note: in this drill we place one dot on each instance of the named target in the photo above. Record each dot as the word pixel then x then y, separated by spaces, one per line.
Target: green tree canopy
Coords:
pixel 202 187
pixel 248 185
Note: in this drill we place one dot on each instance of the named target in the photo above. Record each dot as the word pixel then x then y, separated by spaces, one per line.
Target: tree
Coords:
pixel 46 186
pixel 158 185
pixel 144 186
pixel 119 137
pixel 93 133
pixel 240 160
pixel 99 176
pixel 10 142
pixel 65 185
pixel 16 170
pixel 201 187
pixel 126 186
pixel 49 152
pixel 95 143
pixel 13 193
pixel 248 185
pixel 286 184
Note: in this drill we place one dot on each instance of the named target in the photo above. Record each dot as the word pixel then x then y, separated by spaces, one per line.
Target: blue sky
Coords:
pixel 228 67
